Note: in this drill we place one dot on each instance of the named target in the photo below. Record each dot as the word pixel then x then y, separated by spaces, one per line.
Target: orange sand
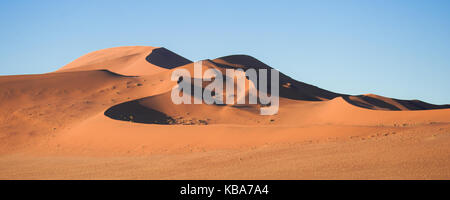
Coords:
pixel 57 126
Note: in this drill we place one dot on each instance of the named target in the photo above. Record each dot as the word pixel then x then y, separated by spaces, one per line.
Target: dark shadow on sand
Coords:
pixel 135 112
pixel 166 59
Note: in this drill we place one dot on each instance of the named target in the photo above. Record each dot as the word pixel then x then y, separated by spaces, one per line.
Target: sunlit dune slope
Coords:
pixel 131 61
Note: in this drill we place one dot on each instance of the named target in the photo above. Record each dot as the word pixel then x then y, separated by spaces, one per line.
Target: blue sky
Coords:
pixel 398 49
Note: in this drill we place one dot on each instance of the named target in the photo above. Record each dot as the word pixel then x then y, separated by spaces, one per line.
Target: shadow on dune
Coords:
pixel 296 90
pixel 370 103
pixel 111 73
pixel 166 59
pixel 420 105
pixel 289 88
pixel 375 104
pixel 135 112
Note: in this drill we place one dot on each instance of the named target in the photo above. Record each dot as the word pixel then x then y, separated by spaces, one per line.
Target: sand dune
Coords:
pixel 109 115
pixel 130 61
pixel 376 102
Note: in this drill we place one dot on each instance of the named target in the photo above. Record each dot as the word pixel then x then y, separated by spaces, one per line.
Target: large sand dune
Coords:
pixel 109 115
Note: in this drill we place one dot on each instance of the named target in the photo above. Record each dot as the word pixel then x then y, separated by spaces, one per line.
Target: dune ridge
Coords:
pixel 129 61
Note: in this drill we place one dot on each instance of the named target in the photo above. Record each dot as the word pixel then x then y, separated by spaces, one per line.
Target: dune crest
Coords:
pixel 129 61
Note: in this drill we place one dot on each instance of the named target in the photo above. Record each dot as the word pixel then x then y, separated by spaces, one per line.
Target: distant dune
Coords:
pixel 109 115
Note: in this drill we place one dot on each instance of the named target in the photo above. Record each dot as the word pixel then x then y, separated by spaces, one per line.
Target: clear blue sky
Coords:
pixel 399 49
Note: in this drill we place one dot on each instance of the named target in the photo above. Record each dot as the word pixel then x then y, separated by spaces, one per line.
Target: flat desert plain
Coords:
pixel 109 115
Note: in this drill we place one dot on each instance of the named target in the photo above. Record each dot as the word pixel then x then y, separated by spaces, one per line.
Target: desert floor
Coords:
pixel 405 153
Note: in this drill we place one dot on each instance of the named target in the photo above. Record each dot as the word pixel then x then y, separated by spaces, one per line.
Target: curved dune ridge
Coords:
pixel 130 61
pixel 141 61
pixel 117 101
